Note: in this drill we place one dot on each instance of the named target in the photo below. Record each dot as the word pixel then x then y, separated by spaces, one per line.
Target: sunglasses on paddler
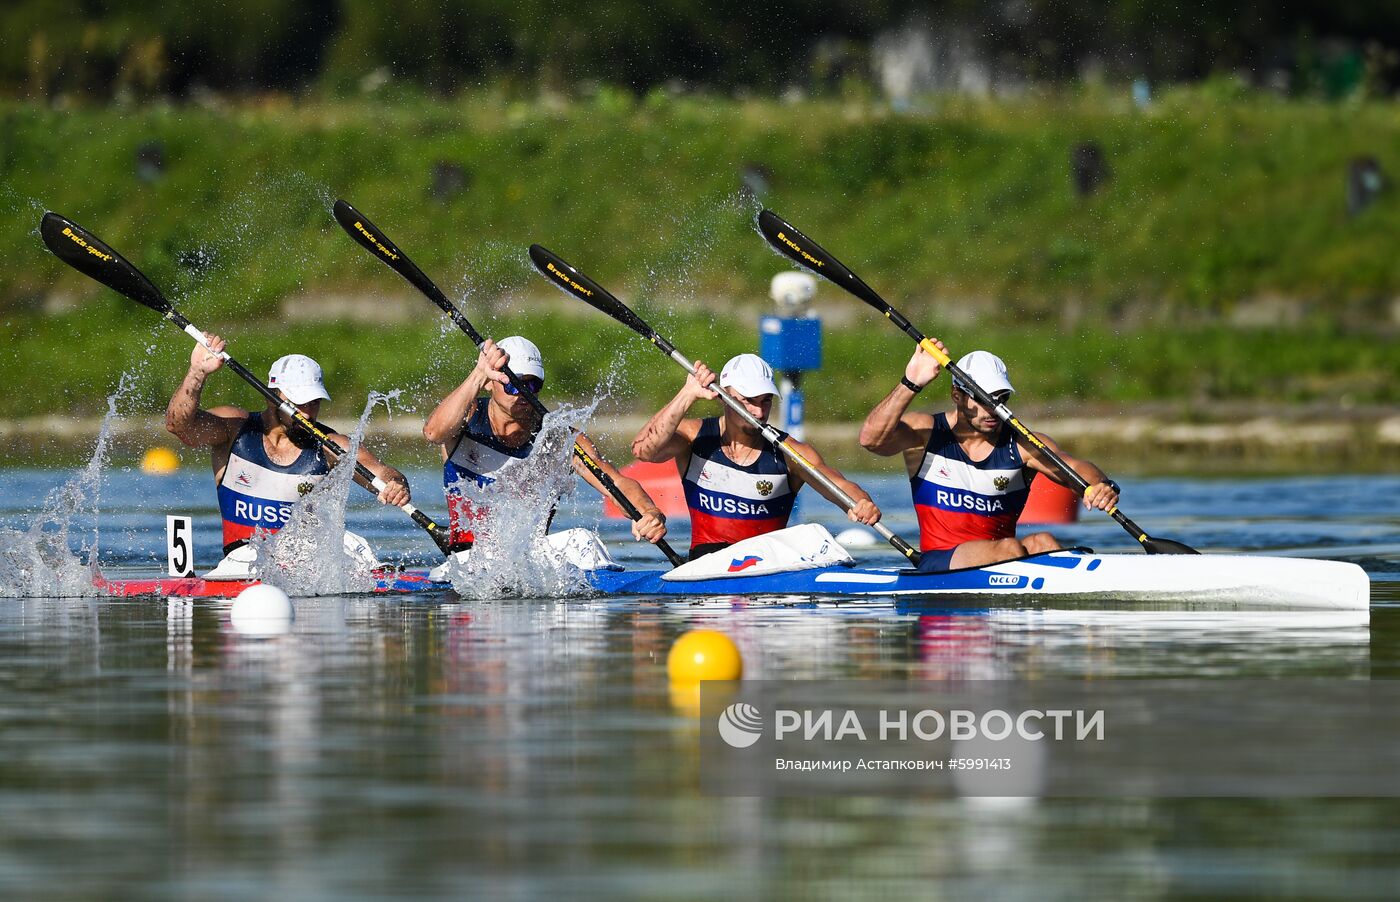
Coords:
pixel 533 383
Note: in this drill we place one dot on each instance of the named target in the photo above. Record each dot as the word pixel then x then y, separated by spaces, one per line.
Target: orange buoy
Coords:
pixel 661 482
pixel 1050 502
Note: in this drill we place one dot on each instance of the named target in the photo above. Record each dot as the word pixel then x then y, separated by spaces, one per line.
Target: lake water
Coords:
pixel 414 747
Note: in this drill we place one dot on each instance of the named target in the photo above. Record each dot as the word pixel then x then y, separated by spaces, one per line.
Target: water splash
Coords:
pixel 670 270
pixel 307 556
pixel 511 558
pixel 40 561
pixel 13 203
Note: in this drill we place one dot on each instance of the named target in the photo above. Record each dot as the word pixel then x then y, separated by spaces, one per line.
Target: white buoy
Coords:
pixel 855 537
pixel 262 610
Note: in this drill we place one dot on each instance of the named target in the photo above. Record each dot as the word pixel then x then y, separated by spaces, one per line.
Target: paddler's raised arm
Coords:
pixel 668 434
pixel 449 418
pixel 890 428
pixel 184 418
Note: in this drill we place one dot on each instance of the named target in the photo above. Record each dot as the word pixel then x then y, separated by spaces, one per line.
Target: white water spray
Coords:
pixel 39 562
pixel 308 556
pixel 510 557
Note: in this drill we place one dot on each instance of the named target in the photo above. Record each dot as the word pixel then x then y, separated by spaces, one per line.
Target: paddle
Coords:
pixel 83 251
pixel 812 256
pixel 372 239
pixel 585 289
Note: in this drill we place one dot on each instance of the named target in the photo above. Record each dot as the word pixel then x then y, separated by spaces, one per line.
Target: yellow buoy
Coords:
pixel 704 655
pixel 160 461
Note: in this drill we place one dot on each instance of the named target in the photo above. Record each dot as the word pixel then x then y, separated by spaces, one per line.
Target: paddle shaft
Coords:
pixel 811 256
pixel 83 251
pixel 575 283
pixel 369 236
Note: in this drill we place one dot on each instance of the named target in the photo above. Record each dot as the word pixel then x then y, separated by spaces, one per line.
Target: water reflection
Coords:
pixel 386 747
pixel 435 747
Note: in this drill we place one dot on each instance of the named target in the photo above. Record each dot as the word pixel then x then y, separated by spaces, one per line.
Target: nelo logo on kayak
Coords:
pixel 1003 579
pixel 732 506
pixel 958 501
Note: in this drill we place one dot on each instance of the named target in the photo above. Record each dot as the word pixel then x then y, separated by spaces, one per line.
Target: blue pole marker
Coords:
pixel 793 408
pixel 792 346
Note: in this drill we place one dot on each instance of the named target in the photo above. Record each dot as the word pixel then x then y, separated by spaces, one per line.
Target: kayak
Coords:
pixel 1245 580
pixel 1239 580
pixel 386 583
pixel 235 572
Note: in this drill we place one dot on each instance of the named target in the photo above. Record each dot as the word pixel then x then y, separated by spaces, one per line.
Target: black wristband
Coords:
pixel 1113 485
pixel 904 381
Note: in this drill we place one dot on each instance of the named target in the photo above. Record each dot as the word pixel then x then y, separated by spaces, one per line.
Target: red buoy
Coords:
pixel 1050 502
pixel 663 484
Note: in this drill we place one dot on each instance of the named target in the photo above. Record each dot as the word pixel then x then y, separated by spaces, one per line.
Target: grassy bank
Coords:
pixel 71 363
pixel 964 216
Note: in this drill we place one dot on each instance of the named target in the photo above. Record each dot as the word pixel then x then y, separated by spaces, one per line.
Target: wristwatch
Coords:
pixel 904 381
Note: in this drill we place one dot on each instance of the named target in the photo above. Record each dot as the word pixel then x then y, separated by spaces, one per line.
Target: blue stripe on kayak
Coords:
pixel 822 581
pixel 1063 563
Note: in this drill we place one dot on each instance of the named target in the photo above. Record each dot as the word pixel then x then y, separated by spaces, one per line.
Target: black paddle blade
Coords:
pixel 811 256
pixel 1166 546
pixel 573 282
pixel 83 251
pixel 371 238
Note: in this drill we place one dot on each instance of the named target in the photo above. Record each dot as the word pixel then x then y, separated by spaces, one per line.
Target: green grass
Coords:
pixel 1123 296
pixel 70 364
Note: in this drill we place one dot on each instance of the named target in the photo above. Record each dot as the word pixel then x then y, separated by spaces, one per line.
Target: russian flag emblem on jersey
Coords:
pixel 743 563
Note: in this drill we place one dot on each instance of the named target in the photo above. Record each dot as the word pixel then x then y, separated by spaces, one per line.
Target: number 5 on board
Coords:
pixel 179 545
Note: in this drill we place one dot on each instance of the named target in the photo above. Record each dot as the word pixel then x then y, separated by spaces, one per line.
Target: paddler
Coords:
pixel 969 472
pixel 737 485
pixel 262 461
pixel 479 434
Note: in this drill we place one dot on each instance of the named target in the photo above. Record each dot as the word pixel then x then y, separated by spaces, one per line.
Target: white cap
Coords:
pixel 749 375
pixel 987 370
pixel 525 359
pixel 299 377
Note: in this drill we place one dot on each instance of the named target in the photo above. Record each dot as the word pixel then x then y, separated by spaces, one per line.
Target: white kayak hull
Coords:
pixel 1243 580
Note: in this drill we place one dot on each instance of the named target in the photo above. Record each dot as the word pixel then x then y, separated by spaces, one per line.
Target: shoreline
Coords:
pixel 1157 439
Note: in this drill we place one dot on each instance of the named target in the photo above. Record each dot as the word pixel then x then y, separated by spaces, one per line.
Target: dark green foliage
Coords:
pixel 964 219
pixel 105 48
